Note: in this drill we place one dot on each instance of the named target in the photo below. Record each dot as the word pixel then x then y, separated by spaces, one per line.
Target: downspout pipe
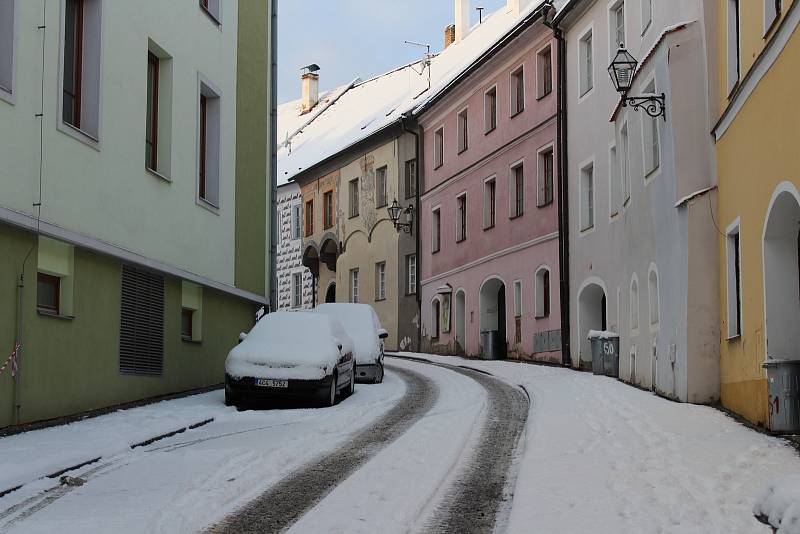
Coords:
pixel 273 154
pixel 410 126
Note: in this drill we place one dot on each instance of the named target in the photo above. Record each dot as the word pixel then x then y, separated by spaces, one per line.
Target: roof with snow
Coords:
pixel 352 113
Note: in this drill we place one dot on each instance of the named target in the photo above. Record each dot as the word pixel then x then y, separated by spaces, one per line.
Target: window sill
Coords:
pixel 54 315
pixel 437 167
pixel 78 134
pixel 734 337
pixel 544 204
pixel 517 216
pixel 380 300
pixel 7 96
pixel 486 228
pixel 462 150
pixel 435 251
pixel 516 113
pixel 187 339
pixel 205 204
pixel 545 95
pixel 461 240
pixel 587 230
pixel 544 316
pixel 649 23
pixel 210 15
pixel 353 216
pixel 158 174
pixel 490 130
pixel 381 205
pixel 328 227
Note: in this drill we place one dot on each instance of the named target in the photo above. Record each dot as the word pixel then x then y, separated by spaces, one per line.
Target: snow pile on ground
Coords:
pixel 601 456
pixel 602 334
pixel 32 455
pixel 779 503
pixel 289 345
pixel 361 324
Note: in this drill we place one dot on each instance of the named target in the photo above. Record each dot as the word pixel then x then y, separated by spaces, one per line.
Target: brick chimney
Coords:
pixel 462 19
pixel 449 35
pixel 310 82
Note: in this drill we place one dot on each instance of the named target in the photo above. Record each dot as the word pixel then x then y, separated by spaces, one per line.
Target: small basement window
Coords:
pixel 191 311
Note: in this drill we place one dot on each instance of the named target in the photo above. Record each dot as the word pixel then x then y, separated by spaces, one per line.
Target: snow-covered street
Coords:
pixel 415 453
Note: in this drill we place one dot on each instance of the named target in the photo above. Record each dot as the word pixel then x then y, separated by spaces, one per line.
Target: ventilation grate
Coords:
pixel 141 340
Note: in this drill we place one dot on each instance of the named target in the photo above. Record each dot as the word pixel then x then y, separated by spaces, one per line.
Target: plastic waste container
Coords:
pixel 490 344
pixel 605 353
pixel 783 377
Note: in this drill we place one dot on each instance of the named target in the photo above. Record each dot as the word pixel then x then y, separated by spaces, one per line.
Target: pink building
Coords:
pixel 489 205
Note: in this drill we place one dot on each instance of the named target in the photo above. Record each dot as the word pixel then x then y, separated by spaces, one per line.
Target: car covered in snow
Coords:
pixel 291 355
pixel 364 328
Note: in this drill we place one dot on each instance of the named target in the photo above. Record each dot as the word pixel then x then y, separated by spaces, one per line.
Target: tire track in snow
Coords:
pixel 281 506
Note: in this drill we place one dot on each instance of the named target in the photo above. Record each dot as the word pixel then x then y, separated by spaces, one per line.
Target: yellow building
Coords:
pixel 758 167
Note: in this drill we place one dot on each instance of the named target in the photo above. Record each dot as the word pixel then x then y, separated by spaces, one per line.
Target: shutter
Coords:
pixel 141 341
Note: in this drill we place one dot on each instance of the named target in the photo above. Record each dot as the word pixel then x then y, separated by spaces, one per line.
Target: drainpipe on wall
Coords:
pixel 273 173
pixel 414 130
pixel 17 376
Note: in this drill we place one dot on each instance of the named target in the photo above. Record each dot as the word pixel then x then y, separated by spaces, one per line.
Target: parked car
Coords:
pixel 291 355
pixel 363 326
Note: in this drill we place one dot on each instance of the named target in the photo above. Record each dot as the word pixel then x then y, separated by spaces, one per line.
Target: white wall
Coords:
pixel 290 251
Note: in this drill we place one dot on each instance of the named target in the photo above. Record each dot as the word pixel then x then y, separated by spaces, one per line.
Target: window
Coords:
pixel 772 11
pixel 518 91
pixel 733 52
pixel 141 344
pixel 211 7
pixel 208 153
pixel 647 14
pixel 297 221
pixel 616 21
pixel 542 293
pixel 586 64
pixel 435 318
pixel 634 305
pixel 489 203
pixel 545 178
pixel 587 197
pixel 411 271
pixel 652 284
pixel 73 62
pixel 191 311
pixel 309 218
pixel 652 151
pixel 624 164
pixel 438 148
pixel 436 230
pixel 734 276
pixel 48 289
pixel 517 191
pixel 297 290
pixel 614 182
pixel 380 280
pixel 463 133
pixel 151 133
pixel 380 188
pixel 490 110
pixel 461 209
pixel 353 190
pixel 80 81
pixel 354 285
pixel 411 178
pixel 544 64
pixel 327 207
pixel 7 47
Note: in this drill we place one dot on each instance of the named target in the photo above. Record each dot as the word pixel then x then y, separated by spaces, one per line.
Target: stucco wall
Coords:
pixel 290 251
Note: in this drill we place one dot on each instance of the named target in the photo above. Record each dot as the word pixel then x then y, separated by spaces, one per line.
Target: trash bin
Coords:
pixel 783 377
pixel 490 341
pixel 605 353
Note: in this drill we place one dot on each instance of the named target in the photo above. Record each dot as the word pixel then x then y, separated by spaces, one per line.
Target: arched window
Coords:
pixel 653 285
pixel 634 304
pixel 435 317
pixel 542 292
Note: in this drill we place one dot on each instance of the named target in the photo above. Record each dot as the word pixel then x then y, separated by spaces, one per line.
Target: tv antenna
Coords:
pixel 480 14
pixel 426 62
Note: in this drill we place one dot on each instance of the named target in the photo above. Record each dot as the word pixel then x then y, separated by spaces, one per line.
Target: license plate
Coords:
pixel 269 383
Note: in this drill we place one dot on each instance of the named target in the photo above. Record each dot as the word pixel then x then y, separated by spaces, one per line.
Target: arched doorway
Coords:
pixel 782 276
pixel 591 316
pixel 493 313
pixel 461 319
pixel 330 294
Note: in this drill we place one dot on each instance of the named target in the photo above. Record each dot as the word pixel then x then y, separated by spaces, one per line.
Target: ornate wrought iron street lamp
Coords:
pixel 622 70
pixel 395 211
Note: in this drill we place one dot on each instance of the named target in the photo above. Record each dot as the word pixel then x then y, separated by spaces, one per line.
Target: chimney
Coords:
pixel 310 91
pixel 449 35
pixel 462 19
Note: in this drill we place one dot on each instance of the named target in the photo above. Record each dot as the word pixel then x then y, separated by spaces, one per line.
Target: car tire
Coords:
pixel 332 393
pixel 379 377
pixel 229 400
pixel 352 387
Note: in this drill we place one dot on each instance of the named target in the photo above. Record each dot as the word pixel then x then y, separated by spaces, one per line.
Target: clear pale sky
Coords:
pixel 358 38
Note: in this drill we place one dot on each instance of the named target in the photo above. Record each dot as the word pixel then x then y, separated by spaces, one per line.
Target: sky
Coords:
pixel 352 39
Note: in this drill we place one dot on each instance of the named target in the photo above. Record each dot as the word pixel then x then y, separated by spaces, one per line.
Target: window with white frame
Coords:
pixel 354 286
pixel 411 178
pixel 191 311
pixel 436 230
pixel 586 63
pixel 587 197
pixel 518 298
pixel 545 177
pixel 80 73
pixel 212 8
pixel 297 220
pixel 463 132
pixel 7 46
pixel 733 45
pixel 461 213
pixel 353 196
pixel 542 293
pixel 297 290
pixel 490 109
pixel 614 181
pixel 517 190
pixel 734 281
pixel 158 121
pixel 624 163
pixel 411 273
pixel 381 193
pixel 209 145
pixel 647 14
pixel 772 11
pixel 634 305
pixel 489 203
pixel 616 26
pixel 518 91
pixel 438 148
pixel 654 297
pixel 652 149
pixel 544 68
pixel 380 280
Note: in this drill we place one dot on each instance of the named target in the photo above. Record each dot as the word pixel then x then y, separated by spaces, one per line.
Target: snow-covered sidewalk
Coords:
pixel 601 456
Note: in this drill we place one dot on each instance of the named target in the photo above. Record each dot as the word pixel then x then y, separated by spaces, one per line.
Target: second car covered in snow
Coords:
pixel 297 354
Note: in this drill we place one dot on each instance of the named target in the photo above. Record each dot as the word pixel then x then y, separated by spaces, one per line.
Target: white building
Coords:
pixel 295 283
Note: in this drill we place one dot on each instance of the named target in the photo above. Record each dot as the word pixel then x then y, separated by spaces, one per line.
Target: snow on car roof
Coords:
pixel 364 108
pixel 361 323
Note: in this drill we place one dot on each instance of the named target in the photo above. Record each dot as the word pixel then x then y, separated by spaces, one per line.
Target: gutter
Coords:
pixel 415 132
pixel 273 163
